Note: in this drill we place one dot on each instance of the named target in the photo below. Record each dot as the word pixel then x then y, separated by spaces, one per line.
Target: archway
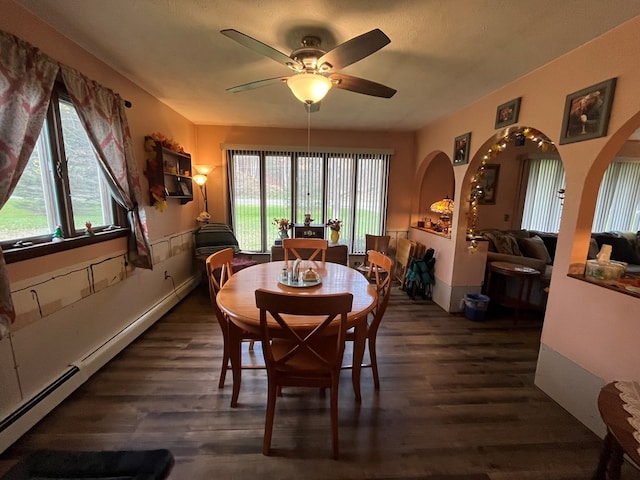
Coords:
pixel 494 194
pixel 438 182
pixel 484 179
pixel 609 212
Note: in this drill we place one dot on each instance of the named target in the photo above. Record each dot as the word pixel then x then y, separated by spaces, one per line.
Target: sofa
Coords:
pixel 625 247
pixel 527 248
pixel 537 250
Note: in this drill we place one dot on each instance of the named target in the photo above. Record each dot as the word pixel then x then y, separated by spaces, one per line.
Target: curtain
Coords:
pixel 102 114
pixel 26 80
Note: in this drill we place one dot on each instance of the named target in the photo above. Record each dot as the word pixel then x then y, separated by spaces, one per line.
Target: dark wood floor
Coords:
pixel 457 397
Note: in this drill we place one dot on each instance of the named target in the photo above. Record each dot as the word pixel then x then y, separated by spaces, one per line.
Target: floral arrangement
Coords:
pixel 167 142
pixel 154 169
pixel 283 224
pixel 334 224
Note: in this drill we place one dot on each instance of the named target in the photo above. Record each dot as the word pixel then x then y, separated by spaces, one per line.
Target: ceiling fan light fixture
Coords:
pixel 309 87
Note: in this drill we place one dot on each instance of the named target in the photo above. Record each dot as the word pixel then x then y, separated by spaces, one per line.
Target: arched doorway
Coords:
pixel 507 206
pixel 438 182
pixel 610 205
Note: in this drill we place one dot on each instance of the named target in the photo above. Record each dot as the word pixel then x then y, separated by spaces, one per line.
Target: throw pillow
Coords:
pixel 507 244
pixel 491 238
pixel 534 247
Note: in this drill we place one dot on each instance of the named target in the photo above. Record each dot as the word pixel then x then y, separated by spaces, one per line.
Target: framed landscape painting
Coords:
pixel 587 111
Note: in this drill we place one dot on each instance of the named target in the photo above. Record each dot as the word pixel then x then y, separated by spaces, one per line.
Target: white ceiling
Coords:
pixel 443 55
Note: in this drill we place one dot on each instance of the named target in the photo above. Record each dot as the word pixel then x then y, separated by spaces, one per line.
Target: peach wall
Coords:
pixel 210 138
pixel 590 326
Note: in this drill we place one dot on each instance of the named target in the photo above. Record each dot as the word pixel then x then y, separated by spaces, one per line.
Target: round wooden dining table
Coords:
pixel 237 300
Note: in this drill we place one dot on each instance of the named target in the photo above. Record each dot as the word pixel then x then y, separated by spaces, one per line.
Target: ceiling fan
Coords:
pixel 315 71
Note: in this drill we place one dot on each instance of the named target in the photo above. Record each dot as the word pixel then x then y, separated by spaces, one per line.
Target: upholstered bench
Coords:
pixel 213 237
pixel 105 465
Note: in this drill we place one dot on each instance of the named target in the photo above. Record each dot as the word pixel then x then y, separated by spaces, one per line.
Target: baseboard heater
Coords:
pixel 36 408
pixel 20 412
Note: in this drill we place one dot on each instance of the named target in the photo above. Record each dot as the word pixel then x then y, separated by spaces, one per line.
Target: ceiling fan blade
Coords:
pixel 263 49
pixel 256 84
pixel 312 107
pixel 353 50
pixel 360 85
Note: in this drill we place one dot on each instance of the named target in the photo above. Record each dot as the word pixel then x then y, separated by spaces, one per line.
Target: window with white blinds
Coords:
pixel 617 207
pixel 542 207
pixel 264 185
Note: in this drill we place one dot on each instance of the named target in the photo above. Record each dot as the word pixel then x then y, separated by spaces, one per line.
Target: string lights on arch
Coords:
pixel 517 137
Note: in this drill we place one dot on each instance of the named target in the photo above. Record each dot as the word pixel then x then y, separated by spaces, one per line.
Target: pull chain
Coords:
pixel 308 156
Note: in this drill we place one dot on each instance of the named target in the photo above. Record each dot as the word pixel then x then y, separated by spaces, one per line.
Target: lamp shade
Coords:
pixel 200 179
pixel 204 169
pixel 443 207
pixel 309 87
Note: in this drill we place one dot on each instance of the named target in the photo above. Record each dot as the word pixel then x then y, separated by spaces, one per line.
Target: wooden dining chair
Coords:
pixel 381 273
pixel 378 243
pixel 305 248
pixel 219 270
pixel 295 357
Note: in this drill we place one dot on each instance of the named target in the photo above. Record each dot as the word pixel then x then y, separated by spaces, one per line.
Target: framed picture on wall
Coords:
pixel 586 112
pixel 507 113
pixel 489 184
pixel 461 149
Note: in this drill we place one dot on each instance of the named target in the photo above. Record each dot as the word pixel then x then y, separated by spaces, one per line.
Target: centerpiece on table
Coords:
pixel 334 225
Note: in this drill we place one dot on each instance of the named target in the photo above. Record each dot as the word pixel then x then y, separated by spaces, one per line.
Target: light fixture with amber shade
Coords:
pixel 444 208
pixel 309 87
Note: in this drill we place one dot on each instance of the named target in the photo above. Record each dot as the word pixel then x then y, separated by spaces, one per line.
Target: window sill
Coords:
pixel 13 255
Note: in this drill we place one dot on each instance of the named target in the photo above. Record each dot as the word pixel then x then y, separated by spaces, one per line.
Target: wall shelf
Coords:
pixel 172 170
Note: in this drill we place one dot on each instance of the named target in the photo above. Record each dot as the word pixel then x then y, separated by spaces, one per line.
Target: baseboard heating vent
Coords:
pixel 7 422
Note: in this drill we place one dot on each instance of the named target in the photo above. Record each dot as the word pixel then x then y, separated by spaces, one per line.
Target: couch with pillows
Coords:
pixel 537 250
pixel 625 247
pixel 528 248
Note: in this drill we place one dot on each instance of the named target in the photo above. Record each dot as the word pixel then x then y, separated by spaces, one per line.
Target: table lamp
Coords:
pixel 444 208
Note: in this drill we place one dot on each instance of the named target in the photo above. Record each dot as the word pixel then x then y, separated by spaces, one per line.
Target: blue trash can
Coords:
pixel 475 306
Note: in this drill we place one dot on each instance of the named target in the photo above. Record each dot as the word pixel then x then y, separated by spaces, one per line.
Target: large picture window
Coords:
pixel 265 185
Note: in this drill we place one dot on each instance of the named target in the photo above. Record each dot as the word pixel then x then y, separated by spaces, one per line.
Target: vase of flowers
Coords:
pixel 283 225
pixel 334 225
